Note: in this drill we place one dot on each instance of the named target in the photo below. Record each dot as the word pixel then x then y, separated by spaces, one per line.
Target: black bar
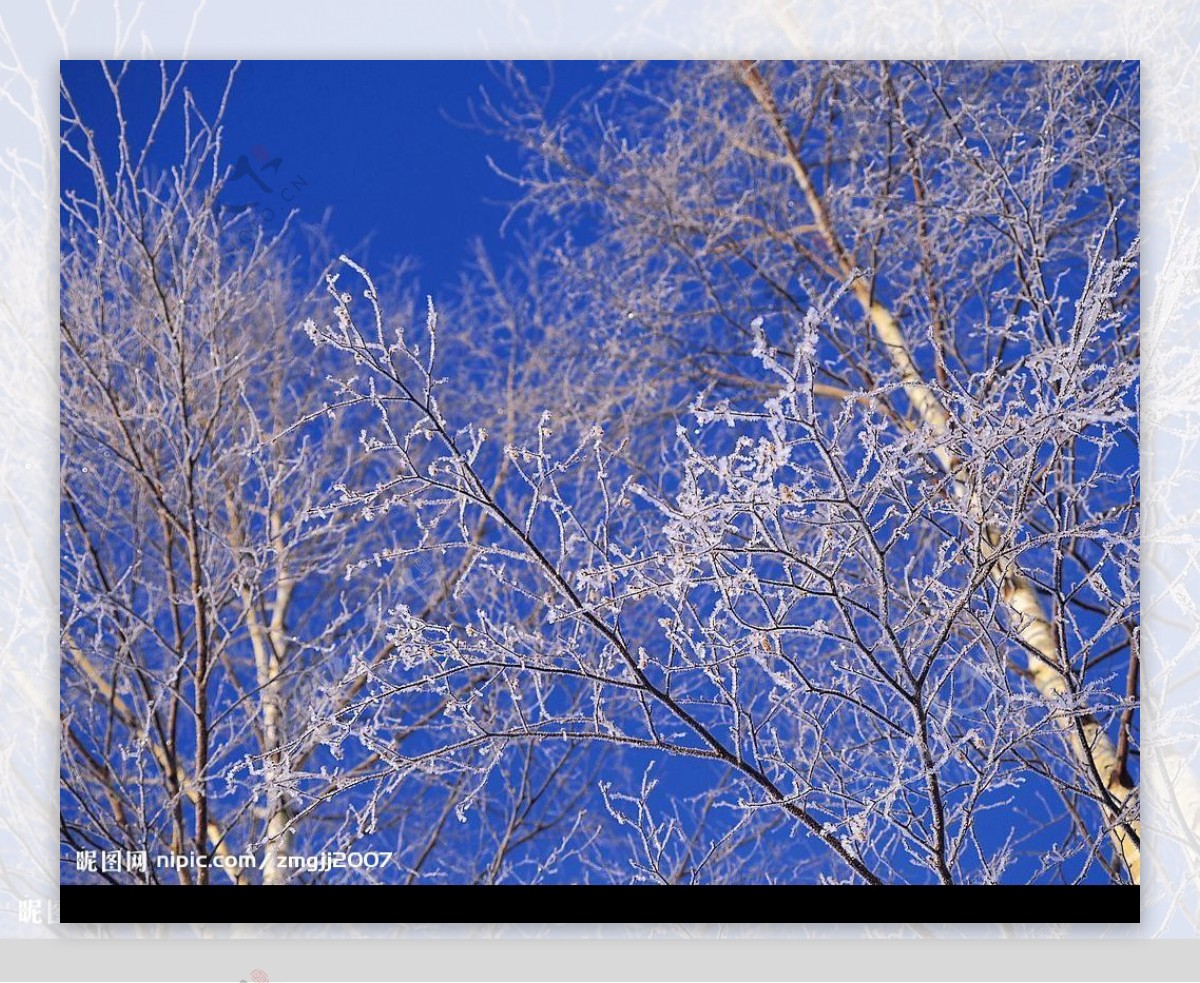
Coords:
pixel 569 904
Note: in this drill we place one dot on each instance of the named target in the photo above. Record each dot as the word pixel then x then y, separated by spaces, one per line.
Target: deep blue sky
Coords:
pixel 374 142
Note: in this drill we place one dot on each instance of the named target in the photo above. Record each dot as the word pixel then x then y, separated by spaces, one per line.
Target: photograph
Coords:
pixel 492 491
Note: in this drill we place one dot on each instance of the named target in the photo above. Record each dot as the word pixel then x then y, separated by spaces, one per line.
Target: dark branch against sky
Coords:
pixel 385 155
